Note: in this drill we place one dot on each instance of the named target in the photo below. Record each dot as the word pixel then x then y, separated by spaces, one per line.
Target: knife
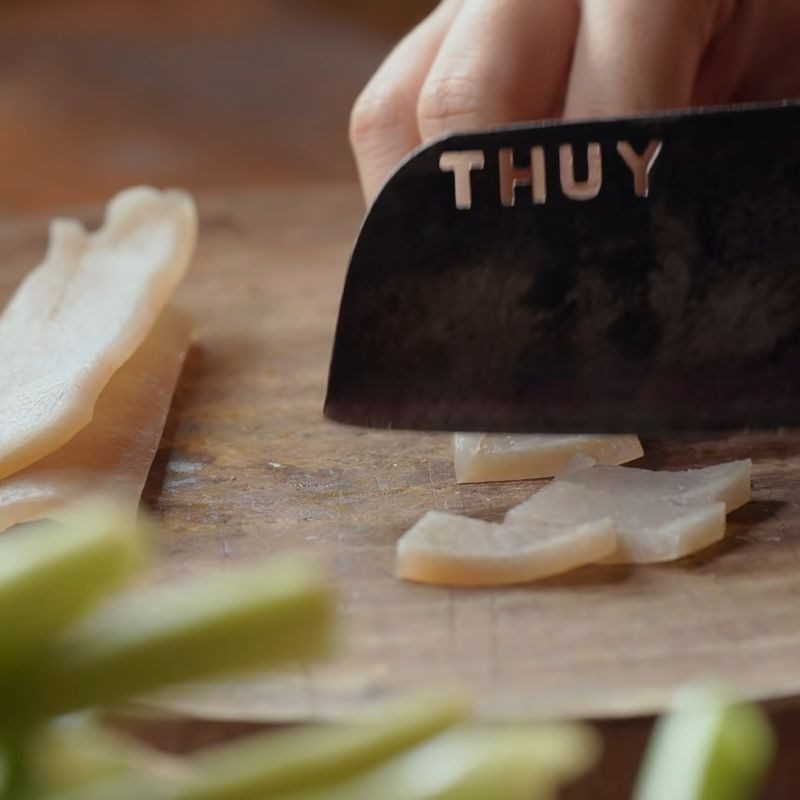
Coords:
pixel 631 275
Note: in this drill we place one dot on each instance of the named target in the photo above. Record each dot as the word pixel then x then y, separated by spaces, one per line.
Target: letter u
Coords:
pixel 581 190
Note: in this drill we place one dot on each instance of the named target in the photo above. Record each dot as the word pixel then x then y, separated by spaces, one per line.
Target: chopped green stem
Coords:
pixel 211 626
pixel 266 764
pixel 512 763
pixel 16 780
pixel 710 748
pixel 516 763
pixel 72 751
pixel 58 572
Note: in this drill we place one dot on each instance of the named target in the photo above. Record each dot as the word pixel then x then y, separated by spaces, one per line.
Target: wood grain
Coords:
pixel 248 467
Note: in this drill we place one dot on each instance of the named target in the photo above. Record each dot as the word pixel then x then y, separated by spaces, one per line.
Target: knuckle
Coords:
pixel 374 112
pixel 447 100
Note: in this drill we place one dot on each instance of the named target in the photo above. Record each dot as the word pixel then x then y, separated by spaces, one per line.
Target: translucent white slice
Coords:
pixel 727 483
pixel 649 528
pixel 459 551
pixel 484 457
pixel 113 453
pixel 82 313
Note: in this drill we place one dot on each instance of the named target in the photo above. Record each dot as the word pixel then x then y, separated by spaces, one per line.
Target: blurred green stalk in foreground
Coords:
pixel 50 576
pixel 711 747
pixel 67 654
pixel 261 617
pixel 414 763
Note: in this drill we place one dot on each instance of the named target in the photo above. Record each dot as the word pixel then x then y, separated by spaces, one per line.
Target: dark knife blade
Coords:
pixel 646 278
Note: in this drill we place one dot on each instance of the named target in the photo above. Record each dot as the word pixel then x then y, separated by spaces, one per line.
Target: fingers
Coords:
pixel 472 63
pixel 501 61
pixel 634 57
pixel 479 63
pixel 383 125
pixel 734 57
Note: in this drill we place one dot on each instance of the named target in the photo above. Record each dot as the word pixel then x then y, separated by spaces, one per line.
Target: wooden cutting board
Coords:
pixel 248 468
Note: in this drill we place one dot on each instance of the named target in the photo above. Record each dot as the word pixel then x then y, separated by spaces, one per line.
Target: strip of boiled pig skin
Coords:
pixel 649 528
pixel 727 483
pixel 113 454
pixel 487 457
pixel 451 550
pixel 81 314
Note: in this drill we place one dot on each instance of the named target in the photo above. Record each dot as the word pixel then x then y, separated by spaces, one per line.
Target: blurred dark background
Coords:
pixel 99 94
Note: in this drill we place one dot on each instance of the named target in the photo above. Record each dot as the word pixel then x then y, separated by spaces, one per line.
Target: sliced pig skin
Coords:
pixel 112 455
pixel 486 457
pixel 82 313
pixel 448 549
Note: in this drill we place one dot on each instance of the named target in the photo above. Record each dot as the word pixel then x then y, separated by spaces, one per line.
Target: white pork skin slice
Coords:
pixel 448 549
pixel 485 457
pixel 727 483
pixel 82 313
pixel 113 454
pixel 658 516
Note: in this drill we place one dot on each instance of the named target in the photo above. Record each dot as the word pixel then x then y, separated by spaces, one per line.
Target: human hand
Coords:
pixel 478 63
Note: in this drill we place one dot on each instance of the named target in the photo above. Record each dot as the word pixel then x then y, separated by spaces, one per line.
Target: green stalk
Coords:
pixel 267 764
pixel 52 574
pixel 512 763
pixel 216 625
pixel 263 765
pixel 76 750
pixel 16 780
pixel 710 748
pixel 517 763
